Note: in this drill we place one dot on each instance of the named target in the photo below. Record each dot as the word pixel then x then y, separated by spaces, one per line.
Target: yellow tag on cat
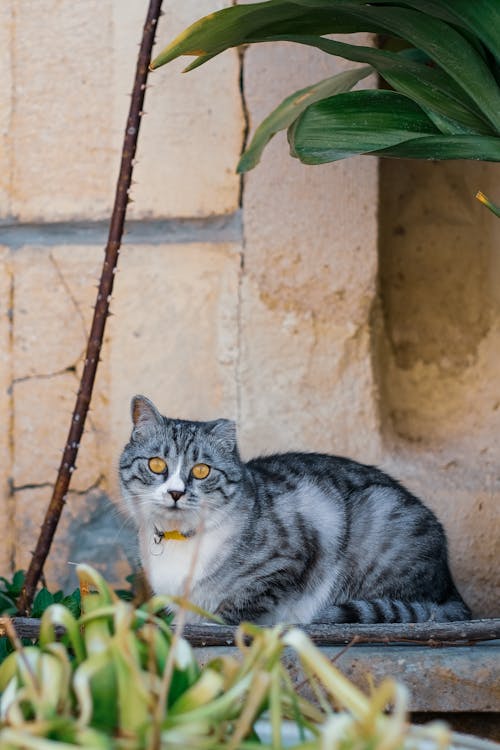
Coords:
pixel 175 535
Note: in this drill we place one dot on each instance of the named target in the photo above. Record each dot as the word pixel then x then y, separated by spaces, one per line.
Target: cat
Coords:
pixel 294 538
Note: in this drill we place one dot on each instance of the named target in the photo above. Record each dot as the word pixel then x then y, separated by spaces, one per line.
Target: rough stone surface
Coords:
pixel 6 104
pixel 53 294
pixel 42 415
pixel 439 281
pixel 309 283
pixel 6 547
pixel 440 355
pixel 60 136
pixel 64 139
pixel 180 347
pixel 192 134
pixel 52 285
pixel 90 530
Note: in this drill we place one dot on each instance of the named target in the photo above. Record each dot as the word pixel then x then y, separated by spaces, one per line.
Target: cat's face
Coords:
pixel 177 474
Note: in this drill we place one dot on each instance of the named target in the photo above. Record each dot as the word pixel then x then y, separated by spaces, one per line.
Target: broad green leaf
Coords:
pixel 18 582
pixel 73 603
pixel 243 24
pixel 430 87
pixel 477 147
pixel 355 123
pixel 42 600
pixel 447 47
pixel 7 604
pixel 479 17
pixel 60 615
pixel 95 688
pixel 134 702
pixel 291 107
pixel 262 21
pixel 14 588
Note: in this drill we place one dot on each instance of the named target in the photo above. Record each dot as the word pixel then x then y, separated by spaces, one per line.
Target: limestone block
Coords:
pixel 307 383
pixel 6 507
pixel 60 130
pixel 174 333
pixel 191 137
pixel 440 274
pixel 90 530
pixel 70 92
pixel 6 23
pixel 310 281
pixel 54 294
pixel 42 416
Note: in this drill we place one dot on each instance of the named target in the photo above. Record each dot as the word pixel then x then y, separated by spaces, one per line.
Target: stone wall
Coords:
pixel 256 299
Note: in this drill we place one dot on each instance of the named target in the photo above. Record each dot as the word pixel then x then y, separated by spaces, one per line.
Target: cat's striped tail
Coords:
pixel 392 610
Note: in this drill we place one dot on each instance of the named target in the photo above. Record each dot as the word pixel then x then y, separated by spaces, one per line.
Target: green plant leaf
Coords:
pixel 243 24
pixel 7 604
pixel 430 87
pixel 481 17
pixel 354 123
pixel 14 588
pixel 60 615
pixel 42 600
pixel 476 147
pixel 18 582
pixel 482 198
pixel 457 97
pixel 73 603
pixel 449 126
pixel 5 648
pixel 291 107
pixel 448 48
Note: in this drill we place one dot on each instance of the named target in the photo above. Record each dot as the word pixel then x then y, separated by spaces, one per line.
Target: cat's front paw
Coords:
pixel 229 613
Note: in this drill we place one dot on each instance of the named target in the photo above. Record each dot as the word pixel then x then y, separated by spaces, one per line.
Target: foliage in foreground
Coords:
pixel 444 101
pixel 121 679
pixel 10 591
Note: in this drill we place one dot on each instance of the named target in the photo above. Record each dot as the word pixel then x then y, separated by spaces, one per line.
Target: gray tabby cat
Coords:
pixel 299 537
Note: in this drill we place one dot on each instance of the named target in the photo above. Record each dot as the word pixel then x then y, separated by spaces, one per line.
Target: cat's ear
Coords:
pixel 224 432
pixel 144 413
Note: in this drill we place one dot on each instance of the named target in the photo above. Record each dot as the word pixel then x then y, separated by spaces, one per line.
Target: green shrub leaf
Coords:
pixel 479 148
pixel 430 87
pixel 357 122
pixel 481 17
pixel 243 24
pixel 42 600
pixel 291 107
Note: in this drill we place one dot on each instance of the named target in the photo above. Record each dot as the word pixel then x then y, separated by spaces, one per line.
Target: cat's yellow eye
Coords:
pixel 200 471
pixel 157 465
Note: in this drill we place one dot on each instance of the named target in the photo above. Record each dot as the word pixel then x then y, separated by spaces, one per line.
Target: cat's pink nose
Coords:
pixel 175 495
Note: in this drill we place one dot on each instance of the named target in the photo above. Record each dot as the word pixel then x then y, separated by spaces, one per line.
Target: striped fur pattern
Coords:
pixel 298 537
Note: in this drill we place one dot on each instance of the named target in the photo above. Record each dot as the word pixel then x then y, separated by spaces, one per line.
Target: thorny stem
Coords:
pixel 101 312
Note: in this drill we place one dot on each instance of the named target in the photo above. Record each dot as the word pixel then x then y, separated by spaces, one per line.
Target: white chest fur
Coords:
pixel 171 562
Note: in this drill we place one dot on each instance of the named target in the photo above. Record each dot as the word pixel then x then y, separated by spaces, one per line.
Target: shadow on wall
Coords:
pixel 439 276
pixel 439 353
pixel 112 540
